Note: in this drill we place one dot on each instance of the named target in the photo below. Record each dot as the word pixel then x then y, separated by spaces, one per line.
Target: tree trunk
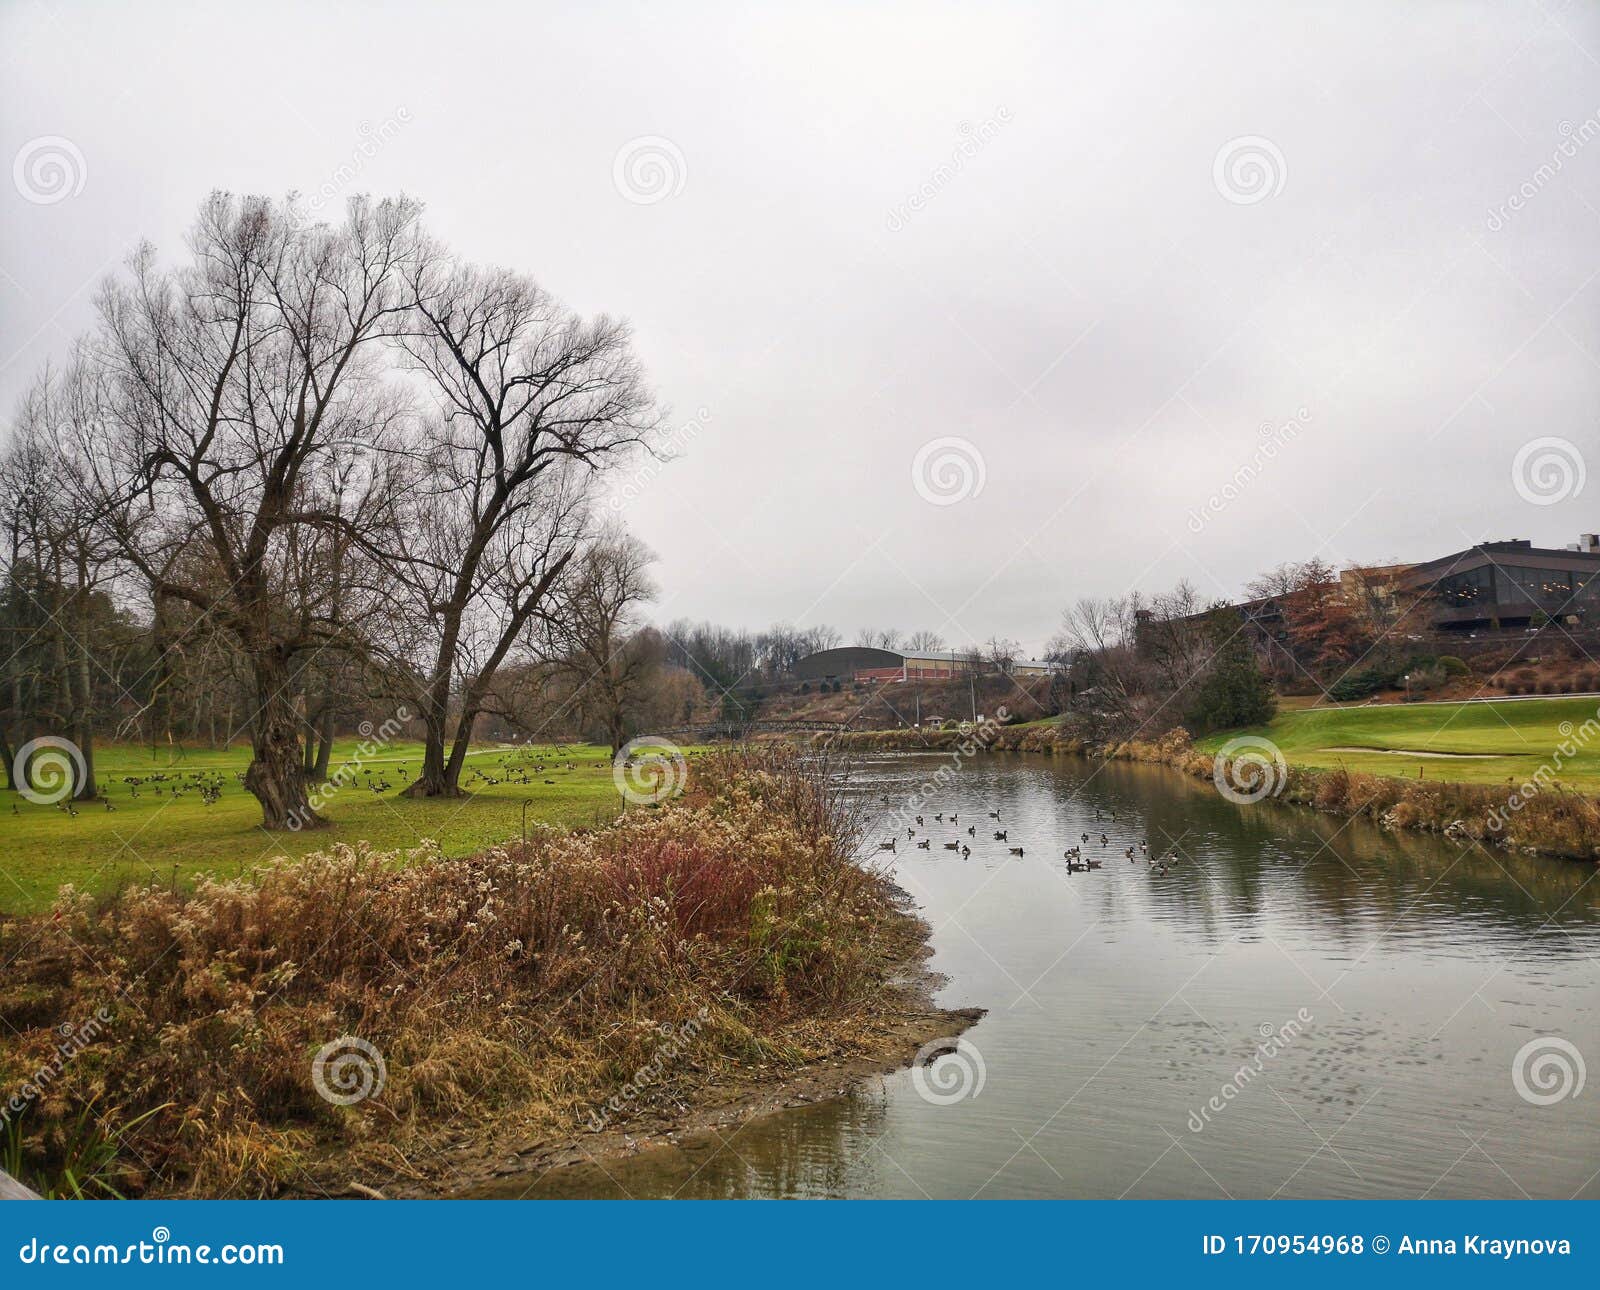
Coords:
pixel 275 775
pixel 434 780
pixel 324 746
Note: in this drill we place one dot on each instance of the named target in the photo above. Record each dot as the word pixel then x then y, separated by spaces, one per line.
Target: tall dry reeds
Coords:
pixel 520 986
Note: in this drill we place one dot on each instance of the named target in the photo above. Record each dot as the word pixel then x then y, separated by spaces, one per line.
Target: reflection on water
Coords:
pixel 1124 1005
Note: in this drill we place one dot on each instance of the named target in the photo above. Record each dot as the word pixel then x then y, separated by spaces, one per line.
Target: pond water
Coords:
pixel 1302 1006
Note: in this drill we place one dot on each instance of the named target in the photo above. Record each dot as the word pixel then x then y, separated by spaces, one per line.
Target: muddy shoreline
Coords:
pixel 901 1023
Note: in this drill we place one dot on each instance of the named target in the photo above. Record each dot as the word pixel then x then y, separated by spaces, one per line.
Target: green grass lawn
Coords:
pixel 1511 739
pixel 156 836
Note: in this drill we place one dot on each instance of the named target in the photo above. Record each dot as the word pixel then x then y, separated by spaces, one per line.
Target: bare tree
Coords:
pixel 1001 654
pixel 591 623
pixel 223 388
pixel 531 397
pixel 925 641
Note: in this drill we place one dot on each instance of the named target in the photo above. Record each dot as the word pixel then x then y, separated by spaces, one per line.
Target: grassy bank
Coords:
pixel 153 833
pixel 1500 743
pixel 525 992
pixel 1550 820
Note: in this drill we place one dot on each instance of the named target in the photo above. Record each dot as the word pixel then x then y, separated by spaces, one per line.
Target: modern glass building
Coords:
pixel 1497 585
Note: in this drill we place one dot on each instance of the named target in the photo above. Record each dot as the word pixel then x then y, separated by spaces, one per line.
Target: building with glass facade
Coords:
pixel 1499 585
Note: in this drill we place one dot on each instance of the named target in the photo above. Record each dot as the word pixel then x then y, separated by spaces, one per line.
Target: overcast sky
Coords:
pixel 1117 253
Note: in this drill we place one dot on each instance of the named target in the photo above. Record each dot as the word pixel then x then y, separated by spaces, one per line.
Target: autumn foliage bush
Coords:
pixel 519 985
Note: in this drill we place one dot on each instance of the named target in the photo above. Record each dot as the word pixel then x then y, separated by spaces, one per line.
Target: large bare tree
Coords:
pixel 532 399
pixel 228 387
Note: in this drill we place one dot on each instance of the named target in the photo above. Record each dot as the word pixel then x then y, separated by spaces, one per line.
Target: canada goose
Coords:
pixel 1000 835
pixel 889 845
pixel 1083 837
pixel 965 850
pixel 1074 867
pixel 972 830
pixel 1016 851
pixel 925 843
pixel 940 818
pixel 994 815
pixel 955 819
pixel 919 819
pixel 951 846
pixel 1104 839
pixel 1162 871
pixel 1091 864
pixel 910 832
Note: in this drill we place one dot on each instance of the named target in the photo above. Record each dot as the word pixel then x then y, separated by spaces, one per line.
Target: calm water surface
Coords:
pixel 1121 1002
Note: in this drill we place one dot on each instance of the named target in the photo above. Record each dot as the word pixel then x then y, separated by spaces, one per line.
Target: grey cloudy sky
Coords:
pixel 1105 246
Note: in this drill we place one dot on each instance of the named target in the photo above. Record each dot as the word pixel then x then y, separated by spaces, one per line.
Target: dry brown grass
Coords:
pixel 521 986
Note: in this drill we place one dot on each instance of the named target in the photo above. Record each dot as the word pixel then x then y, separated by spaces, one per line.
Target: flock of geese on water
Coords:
pixel 1077 862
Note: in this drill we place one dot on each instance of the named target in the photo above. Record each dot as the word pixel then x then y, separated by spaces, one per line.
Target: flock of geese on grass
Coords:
pixel 208 784
pixel 1077 862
